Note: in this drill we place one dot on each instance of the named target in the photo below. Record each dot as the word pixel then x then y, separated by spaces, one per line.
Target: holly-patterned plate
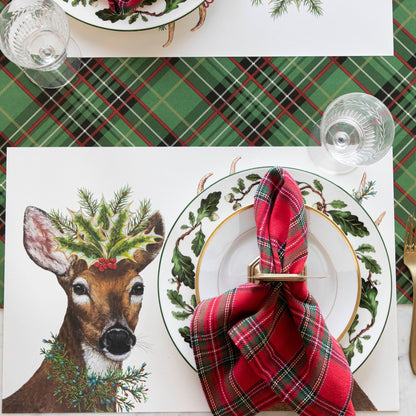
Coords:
pixel 332 264
pixel 179 278
pixel 149 15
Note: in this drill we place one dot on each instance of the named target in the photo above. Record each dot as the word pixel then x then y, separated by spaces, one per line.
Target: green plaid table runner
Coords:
pixel 246 101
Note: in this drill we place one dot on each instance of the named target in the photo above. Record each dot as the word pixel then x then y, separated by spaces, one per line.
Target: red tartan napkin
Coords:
pixel 261 344
pixel 119 4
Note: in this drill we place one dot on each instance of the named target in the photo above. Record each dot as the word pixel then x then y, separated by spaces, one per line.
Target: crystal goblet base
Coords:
pixel 321 158
pixel 60 75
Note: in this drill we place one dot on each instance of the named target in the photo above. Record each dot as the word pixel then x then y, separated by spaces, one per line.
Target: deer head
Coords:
pixel 103 302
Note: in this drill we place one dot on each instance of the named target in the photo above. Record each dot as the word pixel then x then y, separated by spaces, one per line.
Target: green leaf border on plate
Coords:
pixel 242 193
pixel 131 14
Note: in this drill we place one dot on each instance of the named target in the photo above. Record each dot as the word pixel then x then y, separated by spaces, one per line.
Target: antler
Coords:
pixel 171 34
pixel 202 16
pixel 380 218
pixel 201 21
pixel 201 183
pixel 234 164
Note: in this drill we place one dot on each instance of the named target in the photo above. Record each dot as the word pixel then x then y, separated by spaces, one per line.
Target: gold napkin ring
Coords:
pixel 256 276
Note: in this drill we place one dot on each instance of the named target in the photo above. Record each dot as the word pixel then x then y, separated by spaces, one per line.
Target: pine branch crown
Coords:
pixel 104 230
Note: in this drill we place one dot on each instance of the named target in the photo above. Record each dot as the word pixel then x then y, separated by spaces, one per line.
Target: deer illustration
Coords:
pixel 104 297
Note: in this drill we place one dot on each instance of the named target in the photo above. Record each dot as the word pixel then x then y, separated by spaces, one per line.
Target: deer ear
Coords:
pixel 39 241
pixel 144 257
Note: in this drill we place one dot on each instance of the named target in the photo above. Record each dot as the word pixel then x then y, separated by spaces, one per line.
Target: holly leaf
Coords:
pixel 208 205
pixel 126 247
pixel 85 249
pixel 172 5
pixel 370 264
pixel 176 299
pixel 349 223
pixel 183 268
pixel 368 297
pixel 198 242
pixel 91 234
pixel 337 204
pixel 104 216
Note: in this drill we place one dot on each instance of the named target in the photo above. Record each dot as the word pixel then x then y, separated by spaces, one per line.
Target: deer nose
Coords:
pixel 117 340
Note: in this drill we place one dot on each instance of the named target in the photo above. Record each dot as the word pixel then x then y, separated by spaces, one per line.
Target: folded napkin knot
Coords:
pixel 118 5
pixel 281 224
pixel 258 345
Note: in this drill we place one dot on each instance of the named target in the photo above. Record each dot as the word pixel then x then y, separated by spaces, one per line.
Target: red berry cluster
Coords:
pixel 104 264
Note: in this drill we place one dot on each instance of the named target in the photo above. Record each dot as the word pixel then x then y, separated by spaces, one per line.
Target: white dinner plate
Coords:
pixel 87 13
pixel 232 247
pixel 213 240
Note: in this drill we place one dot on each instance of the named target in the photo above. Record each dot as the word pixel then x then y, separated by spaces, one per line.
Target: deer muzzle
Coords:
pixel 116 342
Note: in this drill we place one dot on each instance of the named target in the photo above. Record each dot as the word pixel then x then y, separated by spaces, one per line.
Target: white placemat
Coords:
pixel 236 28
pixel 49 178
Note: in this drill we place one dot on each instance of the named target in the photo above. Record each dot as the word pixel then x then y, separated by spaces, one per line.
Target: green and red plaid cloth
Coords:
pixel 258 345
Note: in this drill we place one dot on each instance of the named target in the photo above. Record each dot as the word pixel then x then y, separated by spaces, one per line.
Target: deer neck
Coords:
pixel 82 353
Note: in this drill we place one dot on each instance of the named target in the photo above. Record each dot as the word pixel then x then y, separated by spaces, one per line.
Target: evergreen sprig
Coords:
pixel 63 224
pixel 104 230
pixel 280 7
pixel 88 202
pixel 120 200
pixel 139 221
pixel 365 192
pixel 116 390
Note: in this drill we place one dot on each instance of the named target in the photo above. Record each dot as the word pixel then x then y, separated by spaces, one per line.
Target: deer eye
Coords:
pixel 137 289
pixel 80 289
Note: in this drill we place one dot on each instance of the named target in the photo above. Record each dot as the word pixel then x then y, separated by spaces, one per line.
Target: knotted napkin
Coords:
pixel 261 344
pixel 117 5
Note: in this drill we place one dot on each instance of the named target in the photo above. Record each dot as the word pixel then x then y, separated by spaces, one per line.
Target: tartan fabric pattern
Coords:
pixel 227 101
pixel 118 5
pixel 287 241
pixel 261 344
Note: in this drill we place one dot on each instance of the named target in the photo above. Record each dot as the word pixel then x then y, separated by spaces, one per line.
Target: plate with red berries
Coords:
pixel 129 15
